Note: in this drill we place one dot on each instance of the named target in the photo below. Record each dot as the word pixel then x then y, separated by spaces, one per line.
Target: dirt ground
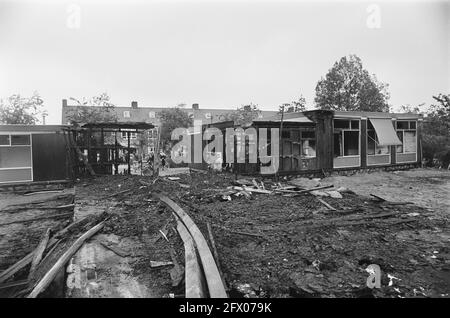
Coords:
pixel 274 245
pixel 429 188
pixel 281 246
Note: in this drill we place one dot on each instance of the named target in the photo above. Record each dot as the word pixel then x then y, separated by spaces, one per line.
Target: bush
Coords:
pixel 436 150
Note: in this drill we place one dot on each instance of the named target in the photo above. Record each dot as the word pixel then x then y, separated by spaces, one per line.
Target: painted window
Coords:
pixel 126 114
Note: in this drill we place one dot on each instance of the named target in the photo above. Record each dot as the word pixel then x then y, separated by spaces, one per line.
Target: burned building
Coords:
pixel 324 140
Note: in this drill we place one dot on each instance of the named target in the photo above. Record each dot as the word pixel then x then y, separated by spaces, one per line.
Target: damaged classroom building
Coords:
pixel 77 220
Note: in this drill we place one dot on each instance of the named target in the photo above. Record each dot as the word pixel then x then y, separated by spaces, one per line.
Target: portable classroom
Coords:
pixel 32 153
pixel 318 140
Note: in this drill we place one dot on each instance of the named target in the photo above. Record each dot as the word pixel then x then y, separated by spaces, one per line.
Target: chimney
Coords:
pixel 195 106
pixel 134 105
pixel 64 102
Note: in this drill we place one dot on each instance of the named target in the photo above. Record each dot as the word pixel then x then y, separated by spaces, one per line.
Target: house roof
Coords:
pixel 118 125
pixel 31 128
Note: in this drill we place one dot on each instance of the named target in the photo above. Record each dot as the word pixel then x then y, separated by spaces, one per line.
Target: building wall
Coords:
pixel 32 153
pixel 151 114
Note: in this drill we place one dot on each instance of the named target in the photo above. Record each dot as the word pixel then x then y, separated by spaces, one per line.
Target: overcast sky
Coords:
pixel 217 54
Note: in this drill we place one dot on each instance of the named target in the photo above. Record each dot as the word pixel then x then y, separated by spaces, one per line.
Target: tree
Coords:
pixel 436 132
pixel 244 115
pixel 85 113
pixel 437 121
pixel 21 110
pixel 408 109
pixel 295 106
pixel 172 118
pixel 348 86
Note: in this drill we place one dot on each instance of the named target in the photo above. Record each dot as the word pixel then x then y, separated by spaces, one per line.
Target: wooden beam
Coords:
pixel 213 279
pixel 38 218
pixel 10 271
pixel 51 274
pixel 216 254
pixel 37 256
pixel 326 204
pixel 304 191
pixel 194 284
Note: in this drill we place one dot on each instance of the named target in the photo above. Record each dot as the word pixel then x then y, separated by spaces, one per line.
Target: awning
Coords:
pixel 385 132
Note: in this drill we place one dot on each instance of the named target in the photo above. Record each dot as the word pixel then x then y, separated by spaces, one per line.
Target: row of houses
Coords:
pixel 311 141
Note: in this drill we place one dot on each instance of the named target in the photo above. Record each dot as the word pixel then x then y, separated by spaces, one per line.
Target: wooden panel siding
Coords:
pixel 49 157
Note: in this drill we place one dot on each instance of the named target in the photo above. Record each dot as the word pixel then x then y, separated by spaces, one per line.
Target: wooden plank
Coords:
pixel 37 256
pixel 194 284
pixel 326 204
pixel 39 218
pixel 13 269
pixel 213 279
pixel 43 192
pixel 216 254
pixel 51 274
pixel 22 282
pixel 304 191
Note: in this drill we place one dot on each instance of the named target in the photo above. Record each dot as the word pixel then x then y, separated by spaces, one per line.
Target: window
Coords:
pixel 308 141
pixel 4 140
pixel 15 158
pixel 126 114
pixel 410 143
pixel 351 143
pixel 372 144
pixel 125 135
pixel 152 114
pixel 346 137
pixel 406 132
pixel 20 140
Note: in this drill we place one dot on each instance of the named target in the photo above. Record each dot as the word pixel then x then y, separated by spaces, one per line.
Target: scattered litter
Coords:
pixel 391 279
pixel 154 264
pixel 335 194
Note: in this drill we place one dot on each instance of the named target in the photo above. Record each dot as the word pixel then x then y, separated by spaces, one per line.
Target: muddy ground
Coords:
pixel 269 245
pixel 279 246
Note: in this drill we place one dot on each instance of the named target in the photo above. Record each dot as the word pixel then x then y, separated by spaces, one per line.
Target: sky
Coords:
pixel 219 54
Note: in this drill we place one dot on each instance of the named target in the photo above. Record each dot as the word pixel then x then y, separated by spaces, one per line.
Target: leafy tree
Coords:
pixel 348 86
pixel 21 110
pixel 412 109
pixel 438 117
pixel 244 115
pixel 436 132
pixel 85 113
pixel 295 106
pixel 172 118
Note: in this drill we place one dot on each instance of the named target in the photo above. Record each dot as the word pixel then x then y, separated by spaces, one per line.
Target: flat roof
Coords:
pixel 31 128
pixel 120 125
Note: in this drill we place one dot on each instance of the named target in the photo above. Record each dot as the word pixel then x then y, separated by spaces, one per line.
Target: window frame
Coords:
pixel 341 131
pixel 30 145
pixel 403 130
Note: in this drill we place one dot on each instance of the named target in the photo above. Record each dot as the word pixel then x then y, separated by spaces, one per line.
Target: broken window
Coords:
pixel 308 141
pixel 351 143
pixel 346 138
